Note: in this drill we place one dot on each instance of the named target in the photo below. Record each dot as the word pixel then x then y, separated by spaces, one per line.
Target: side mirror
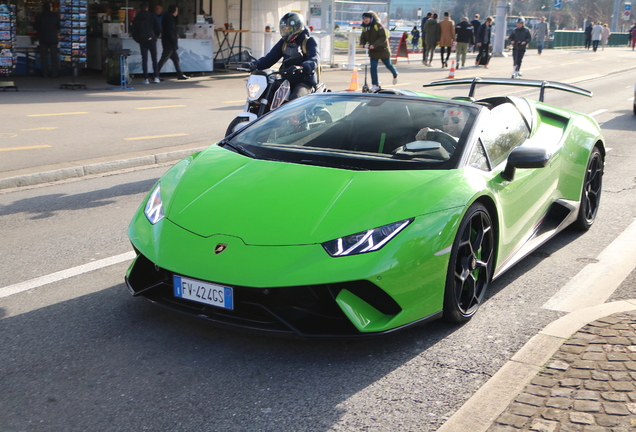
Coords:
pixel 525 157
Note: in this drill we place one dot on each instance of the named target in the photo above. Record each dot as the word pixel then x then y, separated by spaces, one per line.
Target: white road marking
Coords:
pixel 596 282
pixel 64 274
pixel 595 113
pixel 630 99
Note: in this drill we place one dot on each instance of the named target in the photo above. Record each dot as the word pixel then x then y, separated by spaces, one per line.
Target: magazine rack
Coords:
pixel 73 19
pixel 7 46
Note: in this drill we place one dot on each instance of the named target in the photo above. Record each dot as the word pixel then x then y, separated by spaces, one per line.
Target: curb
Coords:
pixel 95 168
pixel 479 412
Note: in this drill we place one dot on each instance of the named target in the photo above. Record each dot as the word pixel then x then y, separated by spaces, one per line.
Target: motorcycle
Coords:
pixel 266 91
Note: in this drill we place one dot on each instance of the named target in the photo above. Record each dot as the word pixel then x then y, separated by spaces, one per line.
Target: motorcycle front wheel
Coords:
pixel 237 123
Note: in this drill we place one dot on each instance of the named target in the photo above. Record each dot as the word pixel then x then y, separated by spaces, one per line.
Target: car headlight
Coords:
pixel 253 90
pixel 154 207
pixel 365 241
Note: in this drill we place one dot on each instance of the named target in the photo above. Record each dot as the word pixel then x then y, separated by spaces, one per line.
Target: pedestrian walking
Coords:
pixel 484 39
pixel 432 38
pixel 423 35
pixel 145 31
pixel 519 39
pixel 633 35
pixel 446 37
pixel 376 36
pixel 170 41
pixel 47 26
pixel 542 33
pixel 597 31
pixel 605 36
pixel 465 37
pixel 475 23
pixel 415 39
pixel 588 35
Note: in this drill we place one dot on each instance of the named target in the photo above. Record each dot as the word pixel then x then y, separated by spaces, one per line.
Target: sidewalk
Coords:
pixel 577 375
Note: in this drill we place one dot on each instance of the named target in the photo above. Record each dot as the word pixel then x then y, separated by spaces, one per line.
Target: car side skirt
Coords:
pixel 559 216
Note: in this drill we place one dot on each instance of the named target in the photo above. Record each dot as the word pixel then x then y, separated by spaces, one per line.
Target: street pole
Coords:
pixel 501 28
pixel 617 4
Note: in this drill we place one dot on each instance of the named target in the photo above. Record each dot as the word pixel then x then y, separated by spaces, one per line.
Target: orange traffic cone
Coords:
pixel 451 74
pixel 353 85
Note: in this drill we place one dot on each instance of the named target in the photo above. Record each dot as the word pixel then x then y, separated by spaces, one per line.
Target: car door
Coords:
pixel 524 200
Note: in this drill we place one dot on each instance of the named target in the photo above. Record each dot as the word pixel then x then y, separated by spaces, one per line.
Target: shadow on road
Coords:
pixel 106 361
pixel 45 206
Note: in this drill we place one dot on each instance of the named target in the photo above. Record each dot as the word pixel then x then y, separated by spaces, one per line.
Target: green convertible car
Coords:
pixel 347 214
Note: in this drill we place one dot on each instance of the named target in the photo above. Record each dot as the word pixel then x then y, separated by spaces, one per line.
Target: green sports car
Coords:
pixel 346 214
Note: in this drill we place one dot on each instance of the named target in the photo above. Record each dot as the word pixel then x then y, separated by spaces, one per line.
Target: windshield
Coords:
pixel 363 132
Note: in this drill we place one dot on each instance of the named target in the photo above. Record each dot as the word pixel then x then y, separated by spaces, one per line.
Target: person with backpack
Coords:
pixel 375 35
pixel 299 51
pixel 145 31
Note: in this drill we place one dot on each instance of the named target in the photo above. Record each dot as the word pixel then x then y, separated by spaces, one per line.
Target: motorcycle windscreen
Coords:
pixel 281 95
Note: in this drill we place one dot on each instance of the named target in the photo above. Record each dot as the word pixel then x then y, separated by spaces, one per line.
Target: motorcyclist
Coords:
pixel 299 52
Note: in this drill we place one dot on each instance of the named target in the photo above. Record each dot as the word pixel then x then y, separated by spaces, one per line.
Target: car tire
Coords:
pixel 634 109
pixel 471 265
pixel 233 127
pixel 591 191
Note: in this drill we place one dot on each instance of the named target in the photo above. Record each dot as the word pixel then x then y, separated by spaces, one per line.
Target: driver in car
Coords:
pixel 453 124
pixel 299 52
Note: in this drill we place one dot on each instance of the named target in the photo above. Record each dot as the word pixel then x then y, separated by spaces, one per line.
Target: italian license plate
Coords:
pixel 203 292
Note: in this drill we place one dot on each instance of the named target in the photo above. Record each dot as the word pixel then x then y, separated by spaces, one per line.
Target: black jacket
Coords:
pixel 484 35
pixel 169 35
pixel 145 18
pixel 518 36
pixel 464 32
pixel 422 27
pixel 293 55
pixel 47 24
pixel 476 25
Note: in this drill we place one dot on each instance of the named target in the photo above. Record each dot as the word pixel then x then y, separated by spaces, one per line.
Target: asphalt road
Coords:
pixel 82 354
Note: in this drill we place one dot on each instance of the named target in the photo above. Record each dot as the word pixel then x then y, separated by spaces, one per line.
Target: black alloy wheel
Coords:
pixel 591 193
pixel 471 265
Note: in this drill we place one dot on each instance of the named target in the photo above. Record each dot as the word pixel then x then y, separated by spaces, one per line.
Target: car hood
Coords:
pixel 278 203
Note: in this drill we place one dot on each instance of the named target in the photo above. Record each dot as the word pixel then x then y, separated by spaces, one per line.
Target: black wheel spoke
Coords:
pixel 472 266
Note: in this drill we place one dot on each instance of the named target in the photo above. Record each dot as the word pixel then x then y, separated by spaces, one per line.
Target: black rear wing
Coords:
pixel 511 82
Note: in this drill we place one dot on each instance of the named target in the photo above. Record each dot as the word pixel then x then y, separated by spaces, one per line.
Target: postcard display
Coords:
pixel 7 44
pixel 73 19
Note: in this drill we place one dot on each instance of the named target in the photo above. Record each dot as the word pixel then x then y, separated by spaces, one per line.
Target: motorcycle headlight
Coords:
pixel 154 207
pixel 253 90
pixel 365 241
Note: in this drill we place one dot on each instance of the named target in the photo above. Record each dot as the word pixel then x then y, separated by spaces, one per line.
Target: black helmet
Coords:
pixel 290 24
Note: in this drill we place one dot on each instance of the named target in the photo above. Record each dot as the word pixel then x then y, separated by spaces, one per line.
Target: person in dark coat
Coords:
pixel 475 23
pixel 159 13
pixel 145 31
pixel 415 40
pixel 519 39
pixel 431 29
pixel 423 35
pixel 375 35
pixel 588 34
pixel 47 25
pixel 464 37
pixel 299 52
pixel 484 39
pixel 170 40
